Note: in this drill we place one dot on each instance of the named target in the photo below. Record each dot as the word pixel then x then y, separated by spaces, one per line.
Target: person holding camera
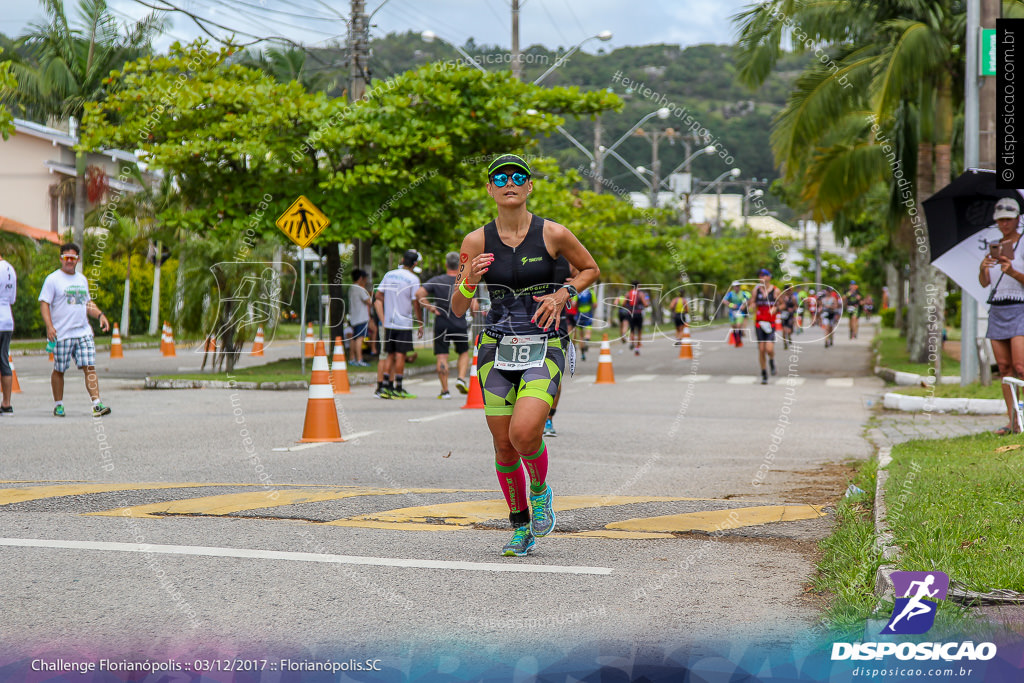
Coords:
pixel 1003 271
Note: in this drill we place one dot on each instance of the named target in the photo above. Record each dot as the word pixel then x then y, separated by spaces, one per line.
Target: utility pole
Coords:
pixel 517 66
pixel 358 73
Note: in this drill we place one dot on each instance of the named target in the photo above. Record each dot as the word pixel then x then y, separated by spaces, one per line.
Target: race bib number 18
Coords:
pixel 521 352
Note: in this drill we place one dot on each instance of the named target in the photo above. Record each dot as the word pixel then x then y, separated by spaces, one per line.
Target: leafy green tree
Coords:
pixel 391 167
pixel 68 68
pixel 7 83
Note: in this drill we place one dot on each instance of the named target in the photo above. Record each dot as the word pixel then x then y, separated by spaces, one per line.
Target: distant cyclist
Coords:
pixel 765 298
pixel 522 351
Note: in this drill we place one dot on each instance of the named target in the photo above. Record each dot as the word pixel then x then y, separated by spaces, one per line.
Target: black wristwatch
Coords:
pixel 572 291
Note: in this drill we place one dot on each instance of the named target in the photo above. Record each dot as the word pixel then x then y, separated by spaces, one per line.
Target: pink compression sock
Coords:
pixel 537 466
pixel 513 485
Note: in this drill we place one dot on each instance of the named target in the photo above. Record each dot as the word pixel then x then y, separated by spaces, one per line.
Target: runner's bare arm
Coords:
pixel 561 242
pixel 473 265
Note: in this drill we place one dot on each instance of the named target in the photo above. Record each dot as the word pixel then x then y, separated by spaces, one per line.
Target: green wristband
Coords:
pixel 468 293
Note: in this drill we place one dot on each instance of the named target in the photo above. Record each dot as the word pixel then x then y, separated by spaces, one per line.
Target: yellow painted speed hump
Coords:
pixel 302 222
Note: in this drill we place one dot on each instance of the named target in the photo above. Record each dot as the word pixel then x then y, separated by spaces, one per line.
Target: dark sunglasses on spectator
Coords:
pixel 501 179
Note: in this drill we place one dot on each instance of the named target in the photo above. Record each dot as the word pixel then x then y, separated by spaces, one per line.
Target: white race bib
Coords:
pixel 521 352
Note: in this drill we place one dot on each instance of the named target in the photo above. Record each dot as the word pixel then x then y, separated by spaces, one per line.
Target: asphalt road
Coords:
pixel 676 484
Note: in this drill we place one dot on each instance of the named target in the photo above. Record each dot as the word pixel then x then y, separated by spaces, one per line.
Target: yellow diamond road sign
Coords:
pixel 302 222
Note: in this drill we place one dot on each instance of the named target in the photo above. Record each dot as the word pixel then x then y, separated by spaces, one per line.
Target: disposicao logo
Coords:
pixel 918 595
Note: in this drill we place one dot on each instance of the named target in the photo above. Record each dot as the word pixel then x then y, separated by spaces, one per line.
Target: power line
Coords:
pixel 568 6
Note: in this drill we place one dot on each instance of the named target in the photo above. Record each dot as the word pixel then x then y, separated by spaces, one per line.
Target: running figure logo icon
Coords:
pixel 918 595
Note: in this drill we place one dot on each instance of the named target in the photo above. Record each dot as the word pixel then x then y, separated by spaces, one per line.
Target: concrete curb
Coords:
pixel 883 544
pixel 909 379
pixel 928 404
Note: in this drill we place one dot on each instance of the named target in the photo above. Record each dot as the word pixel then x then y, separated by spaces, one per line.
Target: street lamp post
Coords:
pixel 430 36
pixel 710 149
pixel 656 137
pixel 749 194
pixel 602 36
pixel 662 113
pixel 735 173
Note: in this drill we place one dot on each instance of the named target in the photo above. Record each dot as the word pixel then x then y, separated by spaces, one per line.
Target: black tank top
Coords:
pixel 516 276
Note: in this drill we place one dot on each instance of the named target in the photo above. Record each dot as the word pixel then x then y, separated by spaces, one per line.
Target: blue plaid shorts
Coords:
pixel 82 349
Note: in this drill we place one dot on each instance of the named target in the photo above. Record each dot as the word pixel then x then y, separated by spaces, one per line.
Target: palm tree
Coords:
pixel 70 66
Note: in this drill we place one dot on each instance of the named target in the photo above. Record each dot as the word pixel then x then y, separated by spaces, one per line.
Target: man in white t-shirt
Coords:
pixel 397 308
pixel 8 293
pixel 65 305
pixel 358 314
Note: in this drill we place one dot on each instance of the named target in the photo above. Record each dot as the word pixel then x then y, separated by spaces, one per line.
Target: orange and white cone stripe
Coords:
pixel 15 386
pixel 339 369
pixel 685 350
pixel 308 351
pixel 605 373
pixel 116 349
pixel 321 423
pixel 475 397
pixel 257 343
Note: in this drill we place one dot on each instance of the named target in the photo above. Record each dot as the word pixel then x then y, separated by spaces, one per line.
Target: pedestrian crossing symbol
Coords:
pixel 302 222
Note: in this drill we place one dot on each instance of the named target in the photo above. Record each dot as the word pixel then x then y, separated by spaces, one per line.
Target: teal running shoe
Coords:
pixel 542 520
pixel 58 410
pixel 99 410
pixel 522 541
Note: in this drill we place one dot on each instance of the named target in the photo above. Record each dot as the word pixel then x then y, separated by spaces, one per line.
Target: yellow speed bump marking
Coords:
pixel 720 520
pixel 608 533
pixel 20 495
pixel 230 503
pixel 479 511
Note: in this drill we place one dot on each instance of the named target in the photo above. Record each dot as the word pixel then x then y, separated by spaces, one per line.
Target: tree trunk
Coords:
pixel 154 306
pixel 892 281
pixel 920 277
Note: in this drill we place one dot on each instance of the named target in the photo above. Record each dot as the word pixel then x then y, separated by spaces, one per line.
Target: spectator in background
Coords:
pixel 66 306
pixel 398 310
pixel 448 328
pixel 358 314
pixel 8 293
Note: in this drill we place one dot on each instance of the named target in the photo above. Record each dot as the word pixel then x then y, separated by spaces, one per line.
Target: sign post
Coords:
pixel 302 222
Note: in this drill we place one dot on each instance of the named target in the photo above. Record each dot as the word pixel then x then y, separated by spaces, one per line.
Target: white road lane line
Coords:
pixel 248 553
pixel 316 444
pixel 641 378
pixel 839 382
pixel 741 379
pixel 431 418
pixel 694 378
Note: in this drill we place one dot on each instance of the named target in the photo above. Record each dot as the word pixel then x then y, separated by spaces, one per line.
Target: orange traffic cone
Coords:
pixel 739 338
pixel 475 397
pixel 605 373
pixel 732 337
pixel 15 386
pixel 321 413
pixel 116 351
pixel 685 350
pixel 308 353
pixel 339 369
pixel 257 343
pixel 167 342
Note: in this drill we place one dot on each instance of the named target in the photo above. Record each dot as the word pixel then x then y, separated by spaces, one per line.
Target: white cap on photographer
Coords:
pixel 1006 208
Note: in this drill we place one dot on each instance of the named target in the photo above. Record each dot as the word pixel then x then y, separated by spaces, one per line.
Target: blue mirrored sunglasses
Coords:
pixel 501 179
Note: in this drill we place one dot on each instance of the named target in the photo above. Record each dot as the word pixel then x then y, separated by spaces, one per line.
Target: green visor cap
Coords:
pixel 508 160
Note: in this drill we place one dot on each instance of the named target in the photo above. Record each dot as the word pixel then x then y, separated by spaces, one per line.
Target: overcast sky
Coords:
pixel 551 23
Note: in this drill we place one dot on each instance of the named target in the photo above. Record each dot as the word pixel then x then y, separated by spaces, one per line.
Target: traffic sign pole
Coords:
pixel 302 318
